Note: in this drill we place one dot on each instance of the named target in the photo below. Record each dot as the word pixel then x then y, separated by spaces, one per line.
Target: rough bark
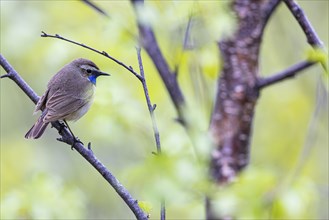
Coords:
pixel 237 92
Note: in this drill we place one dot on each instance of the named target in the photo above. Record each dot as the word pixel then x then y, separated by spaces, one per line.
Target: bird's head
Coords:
pixel 89 69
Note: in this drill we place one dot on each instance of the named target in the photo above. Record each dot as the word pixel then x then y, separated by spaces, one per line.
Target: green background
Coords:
pixel 44 179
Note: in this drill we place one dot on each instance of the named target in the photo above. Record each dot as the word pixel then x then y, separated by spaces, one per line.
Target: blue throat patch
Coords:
pixel 92 79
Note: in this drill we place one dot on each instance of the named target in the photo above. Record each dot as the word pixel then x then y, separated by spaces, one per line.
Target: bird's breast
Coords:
pixel 86 96
pixel 80 112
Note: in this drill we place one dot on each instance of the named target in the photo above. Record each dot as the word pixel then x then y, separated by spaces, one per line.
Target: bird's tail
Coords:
pixel 37 129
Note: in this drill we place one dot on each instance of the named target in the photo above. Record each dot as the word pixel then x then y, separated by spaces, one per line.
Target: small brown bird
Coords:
pixel 69 95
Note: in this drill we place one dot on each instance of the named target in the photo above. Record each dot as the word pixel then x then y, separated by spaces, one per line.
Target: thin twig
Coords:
pixel 187 44
pixel 283 75
pixel 312 38
pixel 129 68
pixel 305 24
pixel 163 210
pixel 150 44
pixel 151 107
pixel 13 75
pixel 208 209
pixel 67 137
pixel 140 77
pixel 95 7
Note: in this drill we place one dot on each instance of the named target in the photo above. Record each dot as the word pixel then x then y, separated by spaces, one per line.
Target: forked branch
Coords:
pixel 140 77
pixel 150 107
pixel 67 137
pixel 150 44
pixel 312 38
pixel 129 68
pixel 311 35
pixel 283 75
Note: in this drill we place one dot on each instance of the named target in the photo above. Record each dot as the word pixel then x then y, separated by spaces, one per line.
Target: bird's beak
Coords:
pixel 99 73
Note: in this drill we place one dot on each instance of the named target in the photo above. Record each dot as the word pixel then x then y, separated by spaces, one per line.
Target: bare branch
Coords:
pixel 154 124
pixel 210 215
pixel 163 210
pixel 95 7
pixel 140 77
pixel 67 137
pixel 151 107
pixel 129 68
pixel 187 44
pixel 283 75
pixel 237 93
pixel 305 24
pixel 239 84
pixel 13 75
pixel 150 44
pixel 312 39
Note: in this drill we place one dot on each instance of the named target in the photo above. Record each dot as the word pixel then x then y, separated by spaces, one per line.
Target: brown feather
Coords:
pixel 37 129
pixel 68 96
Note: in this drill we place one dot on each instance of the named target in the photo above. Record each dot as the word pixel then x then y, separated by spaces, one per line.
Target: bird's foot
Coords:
pixel 62 126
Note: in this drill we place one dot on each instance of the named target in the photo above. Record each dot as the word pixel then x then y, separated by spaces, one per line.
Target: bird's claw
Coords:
pixel 62 126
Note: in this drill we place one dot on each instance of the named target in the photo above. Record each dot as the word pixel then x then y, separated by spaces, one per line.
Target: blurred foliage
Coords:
pixel 33 199
pixel 44 179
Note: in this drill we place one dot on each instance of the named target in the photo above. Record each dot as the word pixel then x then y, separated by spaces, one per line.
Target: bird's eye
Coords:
pixel 88 70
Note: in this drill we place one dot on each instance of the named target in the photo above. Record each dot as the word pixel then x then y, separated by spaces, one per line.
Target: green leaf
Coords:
pixel 318 55
pixel 145 206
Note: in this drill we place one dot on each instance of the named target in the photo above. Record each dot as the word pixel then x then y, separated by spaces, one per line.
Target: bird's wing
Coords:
pixel 61 104
pixel 42 102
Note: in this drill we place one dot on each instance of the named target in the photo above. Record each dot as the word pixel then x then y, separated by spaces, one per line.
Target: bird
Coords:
pixel 68 97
